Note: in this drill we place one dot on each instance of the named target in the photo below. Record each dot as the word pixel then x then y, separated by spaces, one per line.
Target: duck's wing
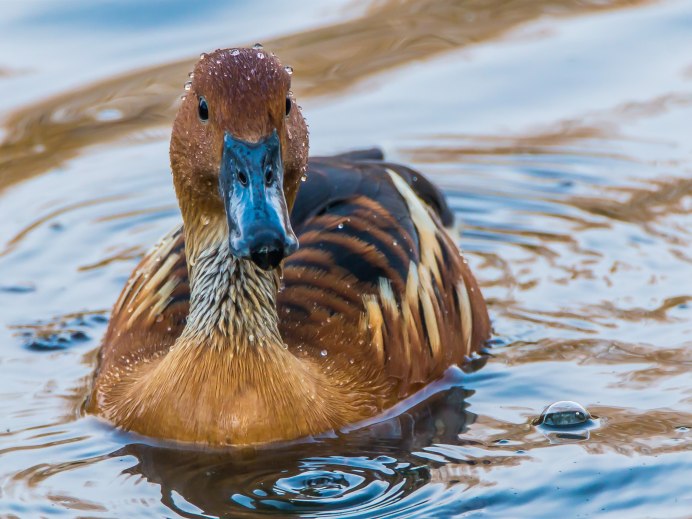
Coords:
pixel 377 278
pixel 151 311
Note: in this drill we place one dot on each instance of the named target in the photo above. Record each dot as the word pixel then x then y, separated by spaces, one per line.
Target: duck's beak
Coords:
pixel 251 184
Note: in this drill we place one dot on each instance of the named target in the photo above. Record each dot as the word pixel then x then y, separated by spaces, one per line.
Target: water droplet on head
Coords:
pixel 191 75
pixel 303 178
pixel 340 226
pixel 235 52
pixel 188 86
pixel 260 55
pixel 251 338
pixel 205 220
pixel 323 353
pixel 257 46
pixel 289 70
pixel 203 55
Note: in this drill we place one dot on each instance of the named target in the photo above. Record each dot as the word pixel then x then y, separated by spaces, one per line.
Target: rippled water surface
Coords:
pixel 561 132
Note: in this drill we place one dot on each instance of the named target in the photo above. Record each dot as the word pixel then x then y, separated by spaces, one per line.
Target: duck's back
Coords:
pixel 377 282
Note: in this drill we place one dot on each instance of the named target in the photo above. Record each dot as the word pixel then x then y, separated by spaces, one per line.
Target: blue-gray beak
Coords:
pixel 251 184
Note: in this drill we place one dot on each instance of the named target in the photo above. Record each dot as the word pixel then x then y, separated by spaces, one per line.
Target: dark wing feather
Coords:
pixel 358 155
pixel 377 279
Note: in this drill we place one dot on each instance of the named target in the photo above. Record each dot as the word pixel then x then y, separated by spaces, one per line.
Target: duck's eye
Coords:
pixel 242 177
pixel 203 109
pixel 288 105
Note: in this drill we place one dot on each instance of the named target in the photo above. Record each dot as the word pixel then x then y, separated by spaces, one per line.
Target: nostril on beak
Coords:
pixel 267 257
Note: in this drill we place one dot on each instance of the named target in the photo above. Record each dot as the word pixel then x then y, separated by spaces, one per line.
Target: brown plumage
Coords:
pixel 378 301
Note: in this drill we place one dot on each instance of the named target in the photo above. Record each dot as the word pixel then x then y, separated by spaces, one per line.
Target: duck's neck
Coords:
pixel 232 302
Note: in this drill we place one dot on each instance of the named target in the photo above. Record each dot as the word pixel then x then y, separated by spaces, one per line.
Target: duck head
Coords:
pixel 238 150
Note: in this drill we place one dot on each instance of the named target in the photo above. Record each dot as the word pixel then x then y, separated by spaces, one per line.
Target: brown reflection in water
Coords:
pixel 581 136
pixel 467 148
pixel 658 363
pixel 327 59
pixel 649 433
pixel 624 431
pixel 125 254
pixel 642 204
pixel 605 314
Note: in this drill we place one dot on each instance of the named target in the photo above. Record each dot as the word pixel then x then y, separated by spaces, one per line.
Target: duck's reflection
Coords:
pixel 368 468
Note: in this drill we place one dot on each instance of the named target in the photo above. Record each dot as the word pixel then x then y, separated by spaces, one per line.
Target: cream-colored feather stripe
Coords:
pixel 426 227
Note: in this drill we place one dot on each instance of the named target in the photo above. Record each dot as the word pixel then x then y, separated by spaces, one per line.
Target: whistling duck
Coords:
pixel 228 331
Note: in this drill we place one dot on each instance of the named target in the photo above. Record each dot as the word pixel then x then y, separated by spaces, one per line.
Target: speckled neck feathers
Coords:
pixel 232 301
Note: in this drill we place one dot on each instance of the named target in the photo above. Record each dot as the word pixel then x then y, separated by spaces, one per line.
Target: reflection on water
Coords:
pixel 349 476
pixel 325 59
pixel 559 131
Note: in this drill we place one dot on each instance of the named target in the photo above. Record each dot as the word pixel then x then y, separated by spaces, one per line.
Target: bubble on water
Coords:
pixel 566 422
pixel 564 414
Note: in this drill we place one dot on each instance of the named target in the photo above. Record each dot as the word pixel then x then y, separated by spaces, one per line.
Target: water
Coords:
pixel 560 131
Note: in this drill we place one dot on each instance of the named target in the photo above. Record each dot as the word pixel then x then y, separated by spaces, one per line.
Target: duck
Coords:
pixel 298 296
